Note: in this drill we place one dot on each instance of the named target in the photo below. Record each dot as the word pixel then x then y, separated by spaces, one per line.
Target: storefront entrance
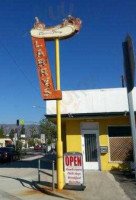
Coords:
pixel 90 146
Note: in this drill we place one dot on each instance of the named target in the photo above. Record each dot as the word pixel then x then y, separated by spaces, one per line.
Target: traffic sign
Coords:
pixel 22 121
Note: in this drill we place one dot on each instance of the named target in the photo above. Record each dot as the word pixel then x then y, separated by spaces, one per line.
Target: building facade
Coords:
pixel 5 141
pixel 96 123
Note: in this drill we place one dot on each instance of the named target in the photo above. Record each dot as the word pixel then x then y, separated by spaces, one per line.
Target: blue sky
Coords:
pixel 91 59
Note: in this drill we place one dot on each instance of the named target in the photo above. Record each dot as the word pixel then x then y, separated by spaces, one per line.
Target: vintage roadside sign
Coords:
pixel 62 31
pixel 44 72
pixel 73 166
pixel 41 33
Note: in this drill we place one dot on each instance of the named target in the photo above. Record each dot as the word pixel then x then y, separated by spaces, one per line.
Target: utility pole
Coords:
pixel 129 71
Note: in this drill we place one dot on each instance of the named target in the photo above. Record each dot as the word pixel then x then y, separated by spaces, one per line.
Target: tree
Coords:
pixel 31 142
pixel 22 132
pixel 49 129
pixel 2 135
pixel 11 134
pixel 32 131
pixel 36 136
pixel 37 141
pixel 19 146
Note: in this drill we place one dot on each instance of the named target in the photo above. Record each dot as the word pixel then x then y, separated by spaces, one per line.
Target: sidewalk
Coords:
pixel 99 186
pixel 19 180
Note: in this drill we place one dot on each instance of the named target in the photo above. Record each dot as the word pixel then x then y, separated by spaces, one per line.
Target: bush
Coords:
pixel 19 146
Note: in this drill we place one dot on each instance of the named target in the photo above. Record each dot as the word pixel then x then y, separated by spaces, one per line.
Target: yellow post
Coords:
pixel 60 178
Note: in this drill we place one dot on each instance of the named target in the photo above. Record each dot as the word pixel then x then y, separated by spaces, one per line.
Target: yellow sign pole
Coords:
pixel 60 178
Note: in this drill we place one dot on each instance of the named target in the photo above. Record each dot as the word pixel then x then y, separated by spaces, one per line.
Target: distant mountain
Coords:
pixel 7 128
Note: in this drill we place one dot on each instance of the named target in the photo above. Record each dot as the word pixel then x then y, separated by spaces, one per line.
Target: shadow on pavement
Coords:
pixel 127 182
pixel 44 186
pixel 46 189
pixel 22 181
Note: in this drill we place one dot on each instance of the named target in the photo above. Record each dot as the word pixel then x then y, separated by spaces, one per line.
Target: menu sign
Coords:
pixel 73 165
pixel 44 73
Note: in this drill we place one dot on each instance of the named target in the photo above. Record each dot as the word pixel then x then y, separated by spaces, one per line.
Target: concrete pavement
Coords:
pixel 99 186
pixel 17 181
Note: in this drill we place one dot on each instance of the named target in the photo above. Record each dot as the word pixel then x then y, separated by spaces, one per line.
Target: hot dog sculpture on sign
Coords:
pixel 39 34
pixel 62 31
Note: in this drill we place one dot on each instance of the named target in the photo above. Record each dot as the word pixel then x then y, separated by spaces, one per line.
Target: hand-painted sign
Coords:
pixel 73 165
pixel 43 68
pixel 62 31
pixel 40 33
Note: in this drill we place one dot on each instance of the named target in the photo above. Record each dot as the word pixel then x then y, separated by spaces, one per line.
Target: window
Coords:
pixel 119 131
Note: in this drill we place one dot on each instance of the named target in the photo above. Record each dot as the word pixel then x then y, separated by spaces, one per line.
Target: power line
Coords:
pixel 18 67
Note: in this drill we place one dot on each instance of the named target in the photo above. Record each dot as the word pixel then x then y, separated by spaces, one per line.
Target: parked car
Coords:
pixel 11 145
pixel 37 147
pixel 9 154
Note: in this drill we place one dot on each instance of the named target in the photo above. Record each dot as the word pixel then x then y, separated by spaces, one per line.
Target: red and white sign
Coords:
pixel 39 34
pixel 44 72
pixel 64 30
pixel 73 165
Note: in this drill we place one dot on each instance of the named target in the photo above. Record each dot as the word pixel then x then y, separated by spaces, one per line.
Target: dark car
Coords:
pixel 8 154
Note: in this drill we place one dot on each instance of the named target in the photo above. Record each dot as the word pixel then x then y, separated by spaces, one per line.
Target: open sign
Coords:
pixel 75 160
pixel 73 165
